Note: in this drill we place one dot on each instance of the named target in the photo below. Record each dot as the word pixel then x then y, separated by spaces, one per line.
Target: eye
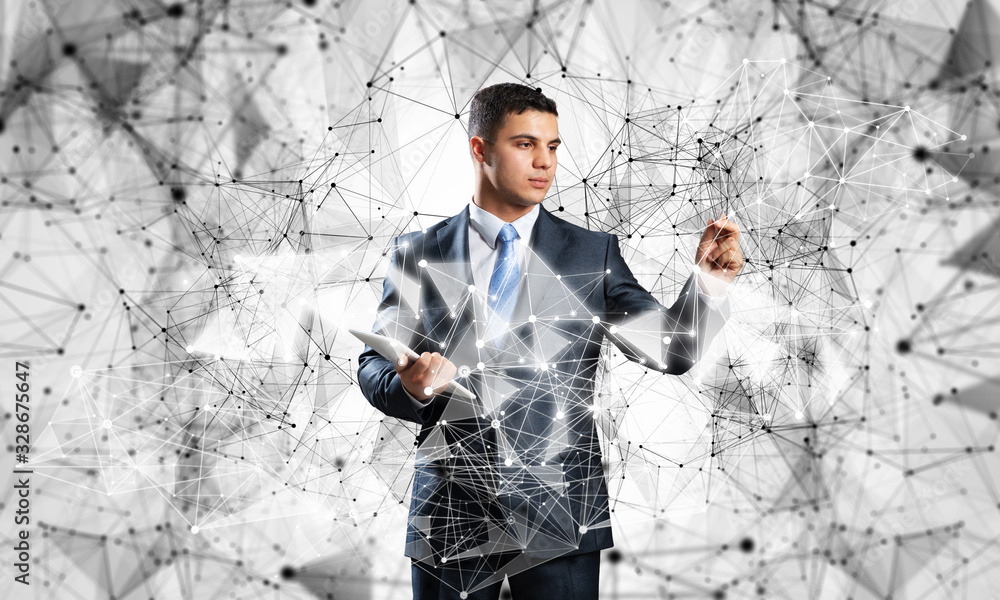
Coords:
pixel 524 144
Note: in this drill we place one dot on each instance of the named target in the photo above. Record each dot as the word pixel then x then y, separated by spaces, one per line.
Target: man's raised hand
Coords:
pixel 427 376
pixel 719 253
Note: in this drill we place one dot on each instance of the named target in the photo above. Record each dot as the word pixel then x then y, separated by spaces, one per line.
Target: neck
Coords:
pixel 505 211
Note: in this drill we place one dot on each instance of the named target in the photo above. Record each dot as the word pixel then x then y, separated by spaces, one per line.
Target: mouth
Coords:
pixel 539 182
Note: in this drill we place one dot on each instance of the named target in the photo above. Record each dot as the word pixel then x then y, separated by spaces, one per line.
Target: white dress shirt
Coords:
pixel 484 227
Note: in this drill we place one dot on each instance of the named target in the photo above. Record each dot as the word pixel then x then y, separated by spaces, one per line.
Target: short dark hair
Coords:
pixel 492 104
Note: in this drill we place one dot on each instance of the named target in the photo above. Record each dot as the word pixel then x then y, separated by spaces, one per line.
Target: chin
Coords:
pixel 530 199
pixel 537 196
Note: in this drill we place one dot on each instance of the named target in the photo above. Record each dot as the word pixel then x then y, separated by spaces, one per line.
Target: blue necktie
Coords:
pixel 503 286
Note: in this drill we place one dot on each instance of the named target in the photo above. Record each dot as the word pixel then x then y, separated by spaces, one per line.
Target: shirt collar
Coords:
pixel 488 225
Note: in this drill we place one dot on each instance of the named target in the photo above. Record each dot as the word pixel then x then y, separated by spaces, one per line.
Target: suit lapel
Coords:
pixel 453 244
pixel 548 242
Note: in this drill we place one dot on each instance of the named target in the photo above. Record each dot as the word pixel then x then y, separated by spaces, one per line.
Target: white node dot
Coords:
pixel 692 333
pixel 595 319
pixel 613 329
pixel 666 339
pixel 107 424
pixel 608 271
pixel 428 390
pixel 798 414
pixel 472 289
pixel 422 263
pixel 480 365
pixel 76 371
pixel 495 423
pixel 746 61
pixel 480 344
pixel 532 318
pixel 195 529
pixel 560 414
pixel 572 313
pixel 463 595
pixel 189 349
pixel 508 462
pixel 583 529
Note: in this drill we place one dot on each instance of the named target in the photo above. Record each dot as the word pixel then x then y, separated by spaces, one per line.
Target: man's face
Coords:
pixel 521 161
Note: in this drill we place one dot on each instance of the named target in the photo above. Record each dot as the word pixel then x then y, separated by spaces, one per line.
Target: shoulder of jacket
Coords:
pixel 589 235
pixel 419 237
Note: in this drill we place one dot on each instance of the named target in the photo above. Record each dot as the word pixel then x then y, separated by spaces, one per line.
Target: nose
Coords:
pixel 543 158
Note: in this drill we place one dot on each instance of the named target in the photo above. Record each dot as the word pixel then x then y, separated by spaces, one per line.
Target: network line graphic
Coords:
pixel 199 199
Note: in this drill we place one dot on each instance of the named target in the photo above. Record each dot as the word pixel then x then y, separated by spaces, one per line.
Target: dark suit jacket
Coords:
pixel 520 468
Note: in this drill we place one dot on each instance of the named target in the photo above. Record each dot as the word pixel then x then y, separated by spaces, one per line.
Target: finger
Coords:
pixel 726 258
pixel 726 228
pixel 433 367
pixel 722 247
pixel 420 365
pixel 443 371
pixel 705 249
pixel 404 363
pixel 738 261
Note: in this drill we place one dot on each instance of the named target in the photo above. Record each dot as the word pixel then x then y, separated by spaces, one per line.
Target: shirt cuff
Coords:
pixel 413 399
pixel 712 290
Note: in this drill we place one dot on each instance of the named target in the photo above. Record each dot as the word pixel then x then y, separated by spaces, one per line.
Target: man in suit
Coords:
pixel 515 303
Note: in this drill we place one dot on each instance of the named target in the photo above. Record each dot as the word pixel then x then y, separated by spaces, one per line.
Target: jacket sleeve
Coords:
pixel 377 376
pixel 690 323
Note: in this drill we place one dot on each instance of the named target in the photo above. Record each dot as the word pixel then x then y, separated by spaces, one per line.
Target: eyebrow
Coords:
pixel 528 136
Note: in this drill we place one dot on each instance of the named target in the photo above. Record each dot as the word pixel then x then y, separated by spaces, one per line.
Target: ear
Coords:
pixel 478 148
